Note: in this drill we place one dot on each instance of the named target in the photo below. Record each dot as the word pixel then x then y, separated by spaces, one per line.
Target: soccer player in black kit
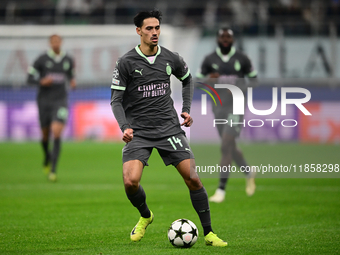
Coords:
pixel 51 72
pixel 140 91
pixel 226 65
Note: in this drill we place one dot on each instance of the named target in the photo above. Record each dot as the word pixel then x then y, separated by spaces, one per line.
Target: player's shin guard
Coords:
pixel 138 200
pixel 199 200
pixel 55 153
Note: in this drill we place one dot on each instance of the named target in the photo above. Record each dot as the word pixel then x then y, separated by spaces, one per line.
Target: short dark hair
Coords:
pixel 225 29
pixel 141 16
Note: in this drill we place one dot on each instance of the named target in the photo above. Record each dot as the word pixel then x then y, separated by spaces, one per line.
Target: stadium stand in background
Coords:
pixel 298 17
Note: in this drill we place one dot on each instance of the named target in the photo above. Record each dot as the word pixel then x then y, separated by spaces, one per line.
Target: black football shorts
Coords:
pixel 172 149
pixel 52 111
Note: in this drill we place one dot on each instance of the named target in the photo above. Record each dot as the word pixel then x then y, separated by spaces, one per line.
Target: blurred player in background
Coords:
pixel 52 71
pixel 226 65
pixel 142 105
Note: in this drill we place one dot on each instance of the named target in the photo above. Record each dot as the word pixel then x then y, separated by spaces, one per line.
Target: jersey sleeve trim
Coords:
pixel 142 55
pixel 252 74
pixel 117 87
pixel 185 76
pixel 31 70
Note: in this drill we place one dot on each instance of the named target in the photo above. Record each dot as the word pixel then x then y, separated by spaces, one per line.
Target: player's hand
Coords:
pixel 73 84
pixel 214 75
pixel 128 135
pixel 187 119
pixel 46 81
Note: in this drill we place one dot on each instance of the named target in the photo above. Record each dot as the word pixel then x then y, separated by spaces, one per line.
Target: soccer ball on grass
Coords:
pixel 183 233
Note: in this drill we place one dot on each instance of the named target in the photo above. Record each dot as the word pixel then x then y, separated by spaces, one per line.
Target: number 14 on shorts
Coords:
pixel 173 141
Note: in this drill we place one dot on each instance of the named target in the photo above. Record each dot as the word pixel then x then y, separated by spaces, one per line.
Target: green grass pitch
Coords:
pixel 87 212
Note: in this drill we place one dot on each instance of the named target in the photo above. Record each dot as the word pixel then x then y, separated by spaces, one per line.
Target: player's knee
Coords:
pixel 57 130
pixel 57 136
pixel 227 148
pixel 131 186
pixel 45 134
pixel 45 138
pixel 194 183
pixel 237 152
pixel 228 144
pixel 56 133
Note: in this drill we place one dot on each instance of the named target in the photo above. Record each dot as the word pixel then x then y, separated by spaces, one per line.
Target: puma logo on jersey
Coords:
pixel 139 71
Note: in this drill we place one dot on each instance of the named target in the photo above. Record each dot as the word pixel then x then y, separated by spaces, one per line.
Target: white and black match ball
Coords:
pixel 183 233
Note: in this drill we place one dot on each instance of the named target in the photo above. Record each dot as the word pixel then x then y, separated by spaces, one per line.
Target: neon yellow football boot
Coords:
pixel 211 239
pixel 52 177
pixel 138 231
pixel 47 169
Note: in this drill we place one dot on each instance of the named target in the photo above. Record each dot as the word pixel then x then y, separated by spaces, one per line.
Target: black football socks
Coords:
pixel 47 158
pixel 55 154
pixel 199 200
pixel 138 200
pixel 224 176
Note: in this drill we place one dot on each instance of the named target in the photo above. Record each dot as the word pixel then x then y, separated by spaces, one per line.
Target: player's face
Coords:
pixel 55 43
pixel 225 39
pixel 150 31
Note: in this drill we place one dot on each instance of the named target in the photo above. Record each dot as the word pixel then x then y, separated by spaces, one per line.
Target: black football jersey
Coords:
pixel 147 100
pixel 60 68
pixel 231 67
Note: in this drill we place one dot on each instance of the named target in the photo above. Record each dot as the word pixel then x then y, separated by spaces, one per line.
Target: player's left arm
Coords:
pixel 182 73
pixel 250 71
pixel 71 74
pixel 73 83
pixel 187 94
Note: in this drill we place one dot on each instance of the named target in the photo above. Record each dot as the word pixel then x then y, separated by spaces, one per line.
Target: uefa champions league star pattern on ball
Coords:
pixel 183 233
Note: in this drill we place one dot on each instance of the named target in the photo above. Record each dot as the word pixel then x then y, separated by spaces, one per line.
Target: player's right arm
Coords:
pixel 250 72
pixel 119 113
pixel 71 74
pixel 182 73
pixel 34 74
pixel 46 81
pixel 118 86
